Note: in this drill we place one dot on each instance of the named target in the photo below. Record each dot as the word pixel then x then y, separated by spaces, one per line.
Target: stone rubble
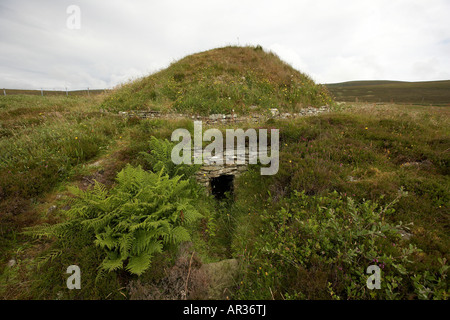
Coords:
pixel 210 169
pixel 273 113
pixel 230 166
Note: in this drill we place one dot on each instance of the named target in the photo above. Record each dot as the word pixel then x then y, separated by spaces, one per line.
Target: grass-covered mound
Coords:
pixel 220 80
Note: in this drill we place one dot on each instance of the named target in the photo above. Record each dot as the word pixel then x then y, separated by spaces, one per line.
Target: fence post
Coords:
pixel 42 92
pixel 4 92
pixel 88 92
pixel 67 93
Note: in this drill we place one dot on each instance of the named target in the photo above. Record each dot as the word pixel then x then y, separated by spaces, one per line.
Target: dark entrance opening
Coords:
pixel 221 185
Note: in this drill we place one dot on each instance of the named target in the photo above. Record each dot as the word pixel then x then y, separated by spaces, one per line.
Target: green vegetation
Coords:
pixel 312 230
pixel 144 212
pixel 219 81
pixel 364 184
pixel 425 93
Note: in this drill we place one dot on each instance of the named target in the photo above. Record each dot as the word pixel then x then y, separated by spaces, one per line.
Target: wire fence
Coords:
pixel 86 91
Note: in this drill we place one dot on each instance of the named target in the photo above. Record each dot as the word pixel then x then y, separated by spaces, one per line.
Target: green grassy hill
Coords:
pixel 425 93
pixel 219 80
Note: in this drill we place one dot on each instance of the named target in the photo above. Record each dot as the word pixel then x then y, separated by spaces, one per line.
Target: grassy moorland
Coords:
pixel 364 184
pixel 424 93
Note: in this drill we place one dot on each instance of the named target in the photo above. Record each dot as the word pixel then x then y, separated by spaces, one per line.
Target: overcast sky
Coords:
pixel 330 40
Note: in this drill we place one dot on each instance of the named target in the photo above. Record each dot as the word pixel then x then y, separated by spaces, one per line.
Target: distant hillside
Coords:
pixel 430 92
pixel 219 80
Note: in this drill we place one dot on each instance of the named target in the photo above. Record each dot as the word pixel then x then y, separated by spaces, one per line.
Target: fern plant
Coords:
pixel 159 158
pixel 133 221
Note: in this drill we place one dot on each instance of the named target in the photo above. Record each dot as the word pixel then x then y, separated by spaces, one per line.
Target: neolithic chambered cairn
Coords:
pixel 218 177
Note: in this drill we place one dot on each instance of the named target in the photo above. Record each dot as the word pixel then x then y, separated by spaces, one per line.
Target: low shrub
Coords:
pixel 319 247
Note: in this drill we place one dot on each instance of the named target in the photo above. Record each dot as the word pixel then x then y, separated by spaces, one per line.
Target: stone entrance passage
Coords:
pixel 221 185
pixel 219 179
pixel 216 176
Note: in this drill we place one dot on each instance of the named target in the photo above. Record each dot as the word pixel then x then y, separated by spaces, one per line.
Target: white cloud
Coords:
pixel 330 40
pixel 290 56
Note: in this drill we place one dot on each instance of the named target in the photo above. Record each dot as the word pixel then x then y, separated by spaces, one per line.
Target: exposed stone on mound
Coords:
pixel 228 118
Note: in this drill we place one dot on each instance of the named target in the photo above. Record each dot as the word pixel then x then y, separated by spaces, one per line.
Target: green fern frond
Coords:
pixel 147 241
pixel 126 243
pixel 48 231
pixel 112 263
pixel 41 261
pixel 131 222
pixel 106 240
pixel 138 264
pixel 180 234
